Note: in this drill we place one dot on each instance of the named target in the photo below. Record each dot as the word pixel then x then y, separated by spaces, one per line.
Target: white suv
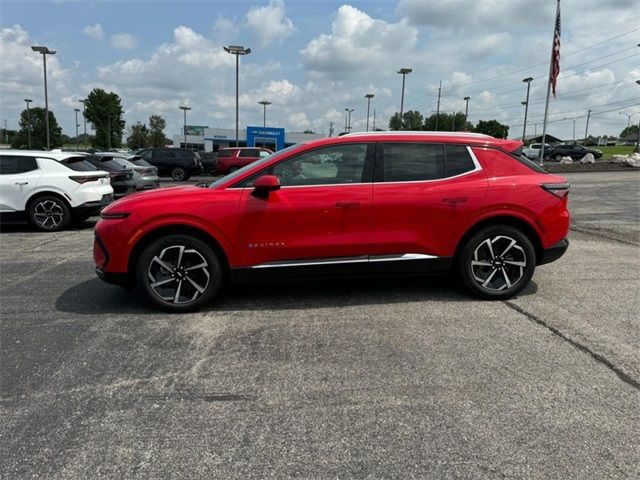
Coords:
pixel 50 188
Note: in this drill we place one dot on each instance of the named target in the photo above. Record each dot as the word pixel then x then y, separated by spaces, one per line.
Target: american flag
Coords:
pixel 555 54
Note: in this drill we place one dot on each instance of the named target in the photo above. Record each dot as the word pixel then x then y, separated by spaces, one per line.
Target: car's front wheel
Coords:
pixel 179 174
pixel 179 273
pixel 497 262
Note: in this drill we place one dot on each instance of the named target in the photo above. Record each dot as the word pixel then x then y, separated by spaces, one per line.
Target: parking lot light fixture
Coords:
pixel 264 104
pixel 28 101
pixel 466 110
pixel 237 50
pixel 84 117
pixel 184 128
pixel 368 96
pixel 45 51
pixel 404 72
pixel 528 81
pixel 348 120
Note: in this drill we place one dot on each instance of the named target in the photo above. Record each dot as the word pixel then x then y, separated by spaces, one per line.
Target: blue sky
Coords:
pixel 314 58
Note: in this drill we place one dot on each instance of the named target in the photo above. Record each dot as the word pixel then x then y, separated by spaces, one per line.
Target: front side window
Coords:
pixel 412 162
pixel 249 152
pixel 337 164
pixel 11 165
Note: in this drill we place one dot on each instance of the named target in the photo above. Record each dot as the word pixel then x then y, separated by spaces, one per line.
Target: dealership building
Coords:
pixel 212 139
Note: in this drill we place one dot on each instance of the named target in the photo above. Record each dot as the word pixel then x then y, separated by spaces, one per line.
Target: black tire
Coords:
pixel 49 213
pixel 179 174
pixel 498 271
pixel 161 261
pixel 558 158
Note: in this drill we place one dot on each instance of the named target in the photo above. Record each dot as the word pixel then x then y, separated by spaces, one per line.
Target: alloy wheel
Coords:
pixel 498 263
pixel 48 214
pixel 179 274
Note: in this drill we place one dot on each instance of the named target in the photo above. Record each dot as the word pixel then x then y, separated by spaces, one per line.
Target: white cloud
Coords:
pixel 124 41
pixel 225 29
pixel 357 43
pixel 94 31
pixel 269 23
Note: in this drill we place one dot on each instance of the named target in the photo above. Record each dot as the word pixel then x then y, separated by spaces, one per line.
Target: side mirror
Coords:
pixel 265 184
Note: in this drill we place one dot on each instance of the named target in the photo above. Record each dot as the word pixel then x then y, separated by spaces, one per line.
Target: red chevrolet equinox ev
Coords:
pixel 384 202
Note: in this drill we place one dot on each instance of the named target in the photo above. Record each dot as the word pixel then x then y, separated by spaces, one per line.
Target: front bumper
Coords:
pixel 554 252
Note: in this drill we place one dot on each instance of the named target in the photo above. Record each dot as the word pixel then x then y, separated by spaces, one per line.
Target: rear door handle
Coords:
pixel 347 204
pixel 454 199
pixel 22 183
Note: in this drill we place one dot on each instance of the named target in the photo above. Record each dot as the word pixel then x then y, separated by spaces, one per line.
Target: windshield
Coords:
pixel 257 163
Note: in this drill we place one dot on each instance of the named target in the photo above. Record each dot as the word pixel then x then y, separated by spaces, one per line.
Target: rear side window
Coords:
pixel 162 154
pixel 411 162
pixel 79 164
pixel 225 153
pixel 10 165
pixel 249 152
pixel 457 160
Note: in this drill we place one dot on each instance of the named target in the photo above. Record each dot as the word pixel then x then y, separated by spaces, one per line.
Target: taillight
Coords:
pixel 84 179
pixel 560 190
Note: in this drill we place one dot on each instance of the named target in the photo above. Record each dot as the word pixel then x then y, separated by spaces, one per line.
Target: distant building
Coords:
pixel 212 139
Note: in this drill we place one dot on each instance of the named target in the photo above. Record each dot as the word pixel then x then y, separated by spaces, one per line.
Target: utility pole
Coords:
pixel 404 72
pixel 77 126
pixel 330 129
pixel 347 127
pixel 184 128
pixel 28 101
pixel 438 108
pixel 374 119
pixel 237 50
pixel 368 96
pixel 84 116
pixel 466 110
pixel 264 104
pixel 45 51
pixel 586 128
pixel 453 122
pixel 528 81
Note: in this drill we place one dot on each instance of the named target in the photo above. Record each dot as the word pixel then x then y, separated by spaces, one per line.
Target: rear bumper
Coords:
pixel 554 252
pixel 93 207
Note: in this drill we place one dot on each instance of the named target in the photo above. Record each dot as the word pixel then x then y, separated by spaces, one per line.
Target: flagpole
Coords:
pixel 546 106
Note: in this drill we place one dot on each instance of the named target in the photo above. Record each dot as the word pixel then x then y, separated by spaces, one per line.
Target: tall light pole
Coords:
pixel 84 116
pixel 264 104
pixel 629 115
pixel 528 81
pixel 348 127
pixel 28 101
pixel 45 51
pixel 368 96
pixel 237 50
pixel 184 128
pixel 77 126
pixel 466 110
pixel 574 127
pixel 404 72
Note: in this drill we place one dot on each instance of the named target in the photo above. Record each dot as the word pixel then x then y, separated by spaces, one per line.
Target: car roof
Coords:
pixel 467 138
pixel 59 156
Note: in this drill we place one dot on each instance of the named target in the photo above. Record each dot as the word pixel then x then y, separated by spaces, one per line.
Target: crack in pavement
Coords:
pixel 602 235
pixel 625 377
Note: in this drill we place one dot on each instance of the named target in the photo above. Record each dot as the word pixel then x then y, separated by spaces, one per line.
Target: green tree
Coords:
pixel 157 125
pixel 35 118
pixel 631 130
pixel 138 136
pixel 411 120
pixel 493 128
pixel 448 122
pixel 104 111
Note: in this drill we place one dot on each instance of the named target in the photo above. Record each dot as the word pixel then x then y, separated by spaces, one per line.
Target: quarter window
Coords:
pixel 11 165
pixel 410 162
pixel 458 160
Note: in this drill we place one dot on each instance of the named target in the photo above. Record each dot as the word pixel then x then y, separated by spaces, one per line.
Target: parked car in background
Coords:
pixel 144 176
pixel 573 150
pixel 50 190
pixel 209 161
pixel 441 201
pixel 233 158
pixel 177 163
pixel 122 176
pixel 532 152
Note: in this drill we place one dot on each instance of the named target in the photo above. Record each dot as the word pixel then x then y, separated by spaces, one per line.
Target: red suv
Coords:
pixel 361 203
pixel 232 159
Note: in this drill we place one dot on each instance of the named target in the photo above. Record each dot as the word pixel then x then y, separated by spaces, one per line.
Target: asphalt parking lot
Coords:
pixel 376 378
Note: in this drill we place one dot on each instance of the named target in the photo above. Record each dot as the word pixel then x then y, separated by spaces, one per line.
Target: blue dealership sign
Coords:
pixel 267 134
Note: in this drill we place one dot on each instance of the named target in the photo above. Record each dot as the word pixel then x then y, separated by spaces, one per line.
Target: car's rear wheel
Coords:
pixel 179 273
pixel 49 213
pixel 497 262
pixel 179 174
pixel 558 158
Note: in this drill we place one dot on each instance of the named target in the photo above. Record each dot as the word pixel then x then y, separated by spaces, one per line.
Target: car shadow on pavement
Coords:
pixel 26 228
pixel 95 297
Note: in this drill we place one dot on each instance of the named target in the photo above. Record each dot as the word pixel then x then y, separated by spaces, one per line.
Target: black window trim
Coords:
pixel 379 165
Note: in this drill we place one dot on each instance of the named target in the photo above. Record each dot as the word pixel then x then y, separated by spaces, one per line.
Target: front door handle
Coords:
pixel 22 183
pixel 454 199
pixel 347 204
